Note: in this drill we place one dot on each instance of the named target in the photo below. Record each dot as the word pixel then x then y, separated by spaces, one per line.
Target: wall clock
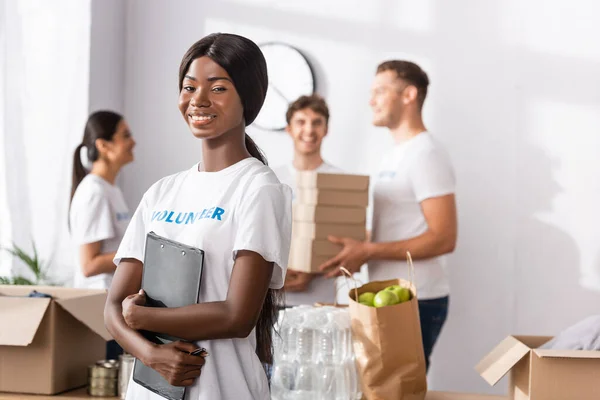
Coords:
pixel 290 76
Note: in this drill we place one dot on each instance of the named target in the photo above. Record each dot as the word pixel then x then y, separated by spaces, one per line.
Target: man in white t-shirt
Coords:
pixel 413 200
pixel 307 120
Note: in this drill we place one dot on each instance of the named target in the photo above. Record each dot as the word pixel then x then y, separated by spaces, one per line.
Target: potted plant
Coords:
pixel 33 263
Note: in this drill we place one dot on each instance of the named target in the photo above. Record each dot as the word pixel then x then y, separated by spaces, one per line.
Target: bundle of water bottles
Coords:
pixel 313 357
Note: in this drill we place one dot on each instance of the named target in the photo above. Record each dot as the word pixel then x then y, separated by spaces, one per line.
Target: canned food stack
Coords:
pixel 103 378
pixel 326 204
pixel 126 369
pixel 313 357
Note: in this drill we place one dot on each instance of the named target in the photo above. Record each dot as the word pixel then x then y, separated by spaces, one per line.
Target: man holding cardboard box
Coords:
pixel 413 200
pixel 307 120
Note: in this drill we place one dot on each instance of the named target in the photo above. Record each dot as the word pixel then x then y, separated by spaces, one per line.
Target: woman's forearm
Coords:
pixel 213 320
pixel 131 340
pixel 235 317
pixel 100 264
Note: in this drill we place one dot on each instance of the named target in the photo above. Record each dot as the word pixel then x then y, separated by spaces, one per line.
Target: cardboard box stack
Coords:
pixel 326 204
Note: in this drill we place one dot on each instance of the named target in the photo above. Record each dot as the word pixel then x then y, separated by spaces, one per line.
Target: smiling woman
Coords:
pixel 98 214
pixel 232 207
pixel 208 99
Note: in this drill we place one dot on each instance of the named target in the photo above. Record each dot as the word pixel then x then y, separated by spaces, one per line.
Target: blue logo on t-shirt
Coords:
pixel 123 216
pixel 386 175
pixel 177 217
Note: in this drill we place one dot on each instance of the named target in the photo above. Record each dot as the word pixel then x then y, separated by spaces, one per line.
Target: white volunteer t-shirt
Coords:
pixel 413 171
pixel 242 207
pixel 98 214
pixel 320 289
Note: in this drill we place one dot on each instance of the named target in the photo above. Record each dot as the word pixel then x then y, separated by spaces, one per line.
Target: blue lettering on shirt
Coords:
pixel 187 218
pixel 386 175
pixel 180 218
pixel 218 212
pixel 162 215
pixel 122 216
pixel 190 218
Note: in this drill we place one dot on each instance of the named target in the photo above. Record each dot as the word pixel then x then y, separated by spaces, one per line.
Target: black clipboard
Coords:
pixel 171 277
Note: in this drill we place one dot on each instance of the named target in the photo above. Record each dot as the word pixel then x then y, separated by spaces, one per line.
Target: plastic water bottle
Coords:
pixel 306 382
pixel 313 357
pixel 284 370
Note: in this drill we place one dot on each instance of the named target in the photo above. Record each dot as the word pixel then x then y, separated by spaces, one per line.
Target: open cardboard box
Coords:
pixel 47 344
pixel 540 374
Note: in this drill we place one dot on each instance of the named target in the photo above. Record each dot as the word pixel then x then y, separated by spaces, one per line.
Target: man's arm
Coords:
pixel 298 281
pixel 440 238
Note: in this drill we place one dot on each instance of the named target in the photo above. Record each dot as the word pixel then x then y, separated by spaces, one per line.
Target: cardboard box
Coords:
pixel 310 230
pixel 328 197
pixel 329 214
pixel 316 247
pixel 46 345
pixel 537 374
pixel 317 180
pixel 306 263
pixel 307 255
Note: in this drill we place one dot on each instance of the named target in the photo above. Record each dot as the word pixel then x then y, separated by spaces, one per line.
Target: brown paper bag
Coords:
pixel 335 296
pixel 388 345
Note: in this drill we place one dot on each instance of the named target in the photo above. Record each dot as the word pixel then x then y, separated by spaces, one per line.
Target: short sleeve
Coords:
pixel 134 241
pixel 432 175
pixel 93 219
pixel 264 226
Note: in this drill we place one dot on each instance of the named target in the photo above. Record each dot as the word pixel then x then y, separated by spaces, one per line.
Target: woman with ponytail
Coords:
pixel 232 206
pixel 98 215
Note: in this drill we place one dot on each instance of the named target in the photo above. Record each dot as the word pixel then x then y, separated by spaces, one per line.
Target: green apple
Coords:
pixel 405 295
pixel 394 288
pixel 366 303
pixel 367 297
pixel 385 298
pixel 402 292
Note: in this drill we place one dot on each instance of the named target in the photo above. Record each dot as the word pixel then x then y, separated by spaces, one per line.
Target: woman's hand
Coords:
pixel 131 306
pixel 174 362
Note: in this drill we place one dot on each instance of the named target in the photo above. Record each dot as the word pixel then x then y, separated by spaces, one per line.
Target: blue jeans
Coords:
pixel 113 350
pixel 433 313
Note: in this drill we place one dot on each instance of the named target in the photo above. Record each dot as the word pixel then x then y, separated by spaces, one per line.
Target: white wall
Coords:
pixel 513 96
pixel 52 50
pixel 107 56
pixel 45 104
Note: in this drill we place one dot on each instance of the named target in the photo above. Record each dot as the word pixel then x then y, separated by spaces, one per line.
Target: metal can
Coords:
pixel 103 370
pixel 103 378
pixel 125 371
